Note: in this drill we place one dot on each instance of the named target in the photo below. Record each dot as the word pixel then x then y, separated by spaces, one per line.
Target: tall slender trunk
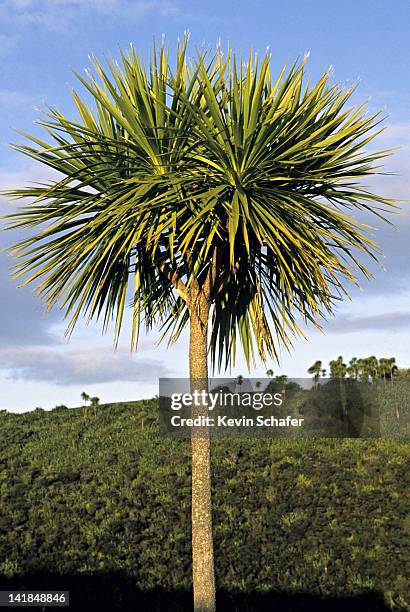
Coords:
pixel 202 543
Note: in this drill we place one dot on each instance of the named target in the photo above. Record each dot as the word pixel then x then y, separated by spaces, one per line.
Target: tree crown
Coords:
pixel 214 180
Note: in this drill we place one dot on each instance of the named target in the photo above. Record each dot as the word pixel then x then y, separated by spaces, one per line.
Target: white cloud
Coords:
pixel 58 15
pixel 60 366
pixel 391 322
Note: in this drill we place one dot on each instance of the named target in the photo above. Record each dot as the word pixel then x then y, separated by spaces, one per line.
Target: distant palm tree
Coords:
pixel 315 369
pixel 353 369
pixel 86 398
pixel 363 369
pixel 281 381
pixel 383 368
pixel 269 373
pixel 393 367
pixel 338 371
pixel 95 401
pixel 373 365
pixel 239 382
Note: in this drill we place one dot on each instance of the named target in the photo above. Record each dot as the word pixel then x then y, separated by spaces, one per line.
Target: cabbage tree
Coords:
pixel 212 197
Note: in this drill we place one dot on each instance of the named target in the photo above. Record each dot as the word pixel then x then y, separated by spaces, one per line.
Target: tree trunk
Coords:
pixel 202 543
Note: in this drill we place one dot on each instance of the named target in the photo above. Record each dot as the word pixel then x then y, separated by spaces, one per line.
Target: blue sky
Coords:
pixel 40 40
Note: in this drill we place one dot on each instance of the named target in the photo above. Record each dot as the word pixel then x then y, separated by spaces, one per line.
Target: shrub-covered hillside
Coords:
pixel 101 506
